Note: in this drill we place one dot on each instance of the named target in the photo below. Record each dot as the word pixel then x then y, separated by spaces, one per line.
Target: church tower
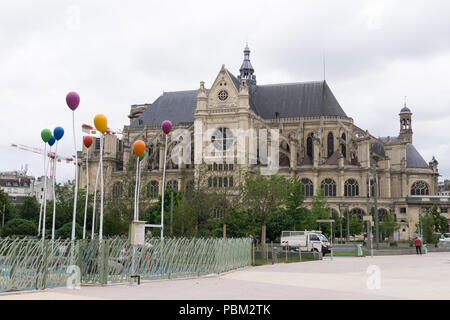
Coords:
pixel 405 124
pixel 246 70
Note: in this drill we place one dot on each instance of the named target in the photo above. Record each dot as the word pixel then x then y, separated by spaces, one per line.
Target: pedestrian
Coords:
pixel 418 244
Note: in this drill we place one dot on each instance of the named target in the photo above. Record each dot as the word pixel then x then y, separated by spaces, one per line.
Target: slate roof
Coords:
pixel 306 99
pixel 413 158
pixel 177 106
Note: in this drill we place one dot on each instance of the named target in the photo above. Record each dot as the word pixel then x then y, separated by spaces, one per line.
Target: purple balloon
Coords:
pixel 73 100
pixel 166 126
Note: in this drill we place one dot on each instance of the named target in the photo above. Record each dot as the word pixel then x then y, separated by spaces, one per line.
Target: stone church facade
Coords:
pixel 317 141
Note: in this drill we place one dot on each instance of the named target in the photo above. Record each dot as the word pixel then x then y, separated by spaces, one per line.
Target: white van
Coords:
pixel 305 241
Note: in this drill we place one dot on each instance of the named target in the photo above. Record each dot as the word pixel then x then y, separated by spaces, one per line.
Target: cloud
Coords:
pixel 116 54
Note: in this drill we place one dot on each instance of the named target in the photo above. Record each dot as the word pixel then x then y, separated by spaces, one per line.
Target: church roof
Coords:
pixel 413 158
pixel 306 99
pixel 177 106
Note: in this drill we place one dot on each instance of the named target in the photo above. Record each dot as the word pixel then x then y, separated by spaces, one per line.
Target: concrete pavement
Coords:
pixel 380 277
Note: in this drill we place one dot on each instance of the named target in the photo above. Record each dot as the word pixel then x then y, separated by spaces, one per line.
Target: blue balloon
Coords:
pixel 52 141
pixel 58 133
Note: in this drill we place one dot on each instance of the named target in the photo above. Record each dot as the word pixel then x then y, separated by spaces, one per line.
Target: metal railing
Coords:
pixel 28 264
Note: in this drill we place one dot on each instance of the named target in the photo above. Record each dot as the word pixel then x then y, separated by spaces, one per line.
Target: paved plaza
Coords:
pixel 400 277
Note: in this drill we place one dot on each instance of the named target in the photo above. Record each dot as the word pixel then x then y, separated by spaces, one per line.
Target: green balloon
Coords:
pixel 46 134
pixel 141 157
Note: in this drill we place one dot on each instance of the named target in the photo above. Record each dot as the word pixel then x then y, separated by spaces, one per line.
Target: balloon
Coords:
pixel 58 133
pixel 139 147
pixel 46 134
pixel 141 157
pixel 100 123
pixel 166 126
pixel 73 100
pixel 87 140
pixel 51 141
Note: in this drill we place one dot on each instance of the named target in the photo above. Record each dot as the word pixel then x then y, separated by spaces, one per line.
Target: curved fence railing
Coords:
pixel 28 264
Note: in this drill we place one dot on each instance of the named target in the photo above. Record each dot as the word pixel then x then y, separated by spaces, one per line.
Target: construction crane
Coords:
pixel 90 130
pixel 51 155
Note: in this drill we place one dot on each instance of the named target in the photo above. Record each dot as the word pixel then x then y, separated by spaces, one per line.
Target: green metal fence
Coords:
pixel 28 264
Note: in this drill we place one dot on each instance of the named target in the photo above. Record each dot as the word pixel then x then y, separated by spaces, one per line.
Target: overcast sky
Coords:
pixel 119 53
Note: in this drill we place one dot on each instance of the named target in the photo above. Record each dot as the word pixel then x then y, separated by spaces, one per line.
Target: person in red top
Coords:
pixel 418 244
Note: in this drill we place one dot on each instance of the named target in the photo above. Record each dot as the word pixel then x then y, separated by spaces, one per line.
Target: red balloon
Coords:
pixel 87 140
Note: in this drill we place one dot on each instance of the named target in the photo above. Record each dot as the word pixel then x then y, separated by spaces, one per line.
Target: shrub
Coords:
pixel 19 227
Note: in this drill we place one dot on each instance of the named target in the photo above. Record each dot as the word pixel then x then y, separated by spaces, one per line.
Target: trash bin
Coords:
pixel 425 249
pixel 359 251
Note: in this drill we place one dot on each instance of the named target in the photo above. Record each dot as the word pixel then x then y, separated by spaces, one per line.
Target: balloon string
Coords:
pixel 42 201
pixel 76 178
pixel 87 193
pixel 54 195
pixel 95 201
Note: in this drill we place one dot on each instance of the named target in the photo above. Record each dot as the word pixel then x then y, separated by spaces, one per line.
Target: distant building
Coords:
pixel 17 185
pixel 444 188
pixel 38 190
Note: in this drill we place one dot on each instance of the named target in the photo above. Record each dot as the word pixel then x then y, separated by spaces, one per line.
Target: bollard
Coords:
pixel 300 253
pixel 287 250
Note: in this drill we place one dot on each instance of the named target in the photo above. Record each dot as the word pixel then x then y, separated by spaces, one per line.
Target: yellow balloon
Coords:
pixel 100 123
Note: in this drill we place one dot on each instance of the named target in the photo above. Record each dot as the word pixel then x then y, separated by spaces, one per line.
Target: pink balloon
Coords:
pixel 166 126
pixel 73 100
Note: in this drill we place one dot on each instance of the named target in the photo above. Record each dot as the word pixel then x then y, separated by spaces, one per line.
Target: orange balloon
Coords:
pixel 139 147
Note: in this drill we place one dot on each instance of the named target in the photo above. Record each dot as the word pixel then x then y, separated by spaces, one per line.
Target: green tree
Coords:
pixel 294 202
pixel 29 210
pixel 65 232
pixel 356 226
pixel 19 227
pixel 389 225
pixel 264 195
pixel 427 223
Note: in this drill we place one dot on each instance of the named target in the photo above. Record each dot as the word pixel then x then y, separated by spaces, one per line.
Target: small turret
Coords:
pixel 405 124
pixel 246 71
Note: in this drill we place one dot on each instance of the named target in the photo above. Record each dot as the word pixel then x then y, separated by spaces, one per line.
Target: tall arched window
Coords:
pixel 190 185
pixel 330 144
pixel 382 213
pixel 117 190
pixel 309 146
pixel 329 187
pixel 420 188
pixel 343 147
pixel 307 187
pixel 172 184
pixel 153 189
pixel 357 212
pixel 131 190
pixel 351 188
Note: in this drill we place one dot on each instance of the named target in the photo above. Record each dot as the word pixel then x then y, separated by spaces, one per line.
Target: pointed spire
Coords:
pixel 246 71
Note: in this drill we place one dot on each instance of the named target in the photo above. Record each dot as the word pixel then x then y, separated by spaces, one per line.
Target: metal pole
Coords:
pixel 100 231
pixel 348 224
pixel 87 193
pixel 163 189
pixel 54 195
pixel 340 226
pixel 375 194
pixel 332 234
pixel 3 219
pixel 369 224
pixel 171 210
pixel 43 198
